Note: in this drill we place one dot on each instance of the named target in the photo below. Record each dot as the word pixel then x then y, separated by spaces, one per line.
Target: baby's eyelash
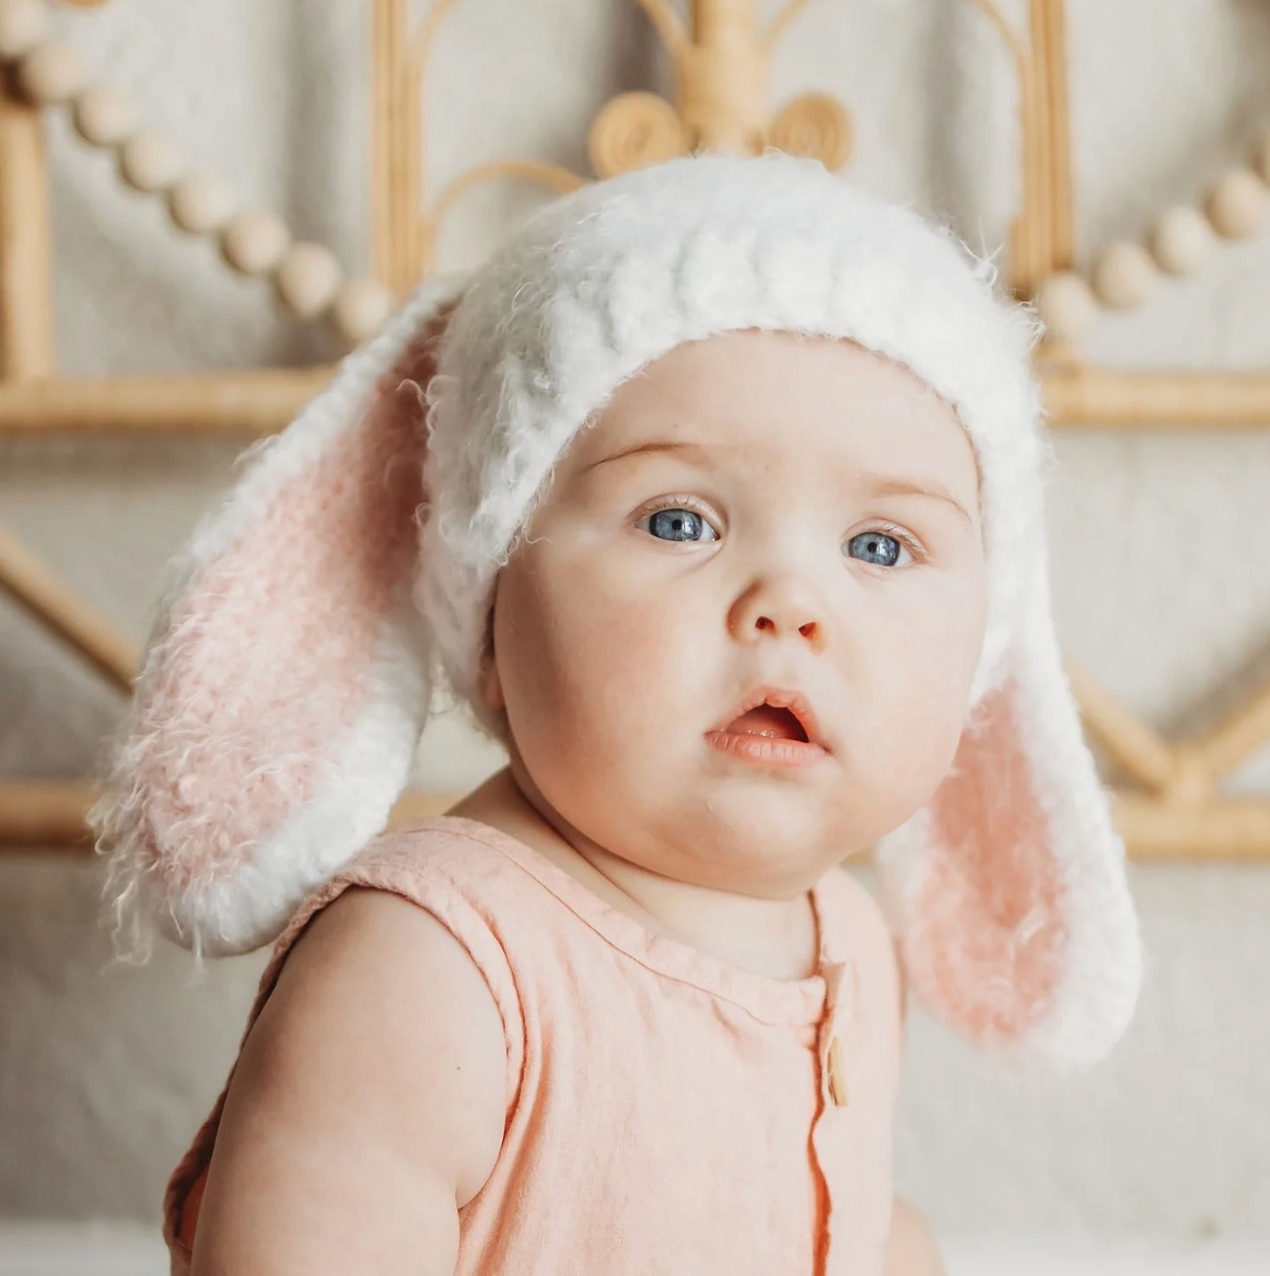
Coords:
pixel 677 503
pixel 672 503
pixel 889 529
pixel 909 542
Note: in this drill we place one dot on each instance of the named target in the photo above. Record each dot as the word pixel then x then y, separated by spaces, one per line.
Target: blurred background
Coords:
pixel 1160 541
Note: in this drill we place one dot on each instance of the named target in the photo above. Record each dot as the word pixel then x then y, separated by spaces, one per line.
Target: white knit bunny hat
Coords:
pixel 294 657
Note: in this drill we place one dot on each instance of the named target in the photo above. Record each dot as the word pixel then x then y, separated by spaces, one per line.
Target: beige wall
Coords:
pixel 1161 544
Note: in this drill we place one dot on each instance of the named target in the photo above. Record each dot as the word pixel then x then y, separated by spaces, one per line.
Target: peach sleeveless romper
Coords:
pixel 669 1114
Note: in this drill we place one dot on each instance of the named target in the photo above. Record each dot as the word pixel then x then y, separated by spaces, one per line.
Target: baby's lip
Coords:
pixel 779 698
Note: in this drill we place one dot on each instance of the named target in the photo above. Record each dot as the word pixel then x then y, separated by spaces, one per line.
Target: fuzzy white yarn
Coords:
pixel 593 288
pixel 607 279
pixel 218 914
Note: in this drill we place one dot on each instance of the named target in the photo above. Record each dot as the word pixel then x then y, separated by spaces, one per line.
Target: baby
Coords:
pixel 725 519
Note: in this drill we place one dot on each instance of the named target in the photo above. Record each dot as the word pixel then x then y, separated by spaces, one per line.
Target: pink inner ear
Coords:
pixel 988 940
pixel 277 639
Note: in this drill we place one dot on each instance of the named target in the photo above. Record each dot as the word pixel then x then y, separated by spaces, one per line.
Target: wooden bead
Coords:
pixel 1238 203
pixel 150 162
pixel 1182 240
pixel 51 72
pixel 1067 306
pixel 308 278
pixel 1123 275
pixel 253 243
pixel 362 307
pixel 200 204
pixel 23 24
pixel 104 115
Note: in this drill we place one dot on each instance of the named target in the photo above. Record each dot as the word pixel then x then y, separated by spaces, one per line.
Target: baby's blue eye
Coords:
pixel 876 547
pixel 680 525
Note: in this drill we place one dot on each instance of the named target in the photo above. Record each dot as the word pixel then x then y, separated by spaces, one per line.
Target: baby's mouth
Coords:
pixel 767 720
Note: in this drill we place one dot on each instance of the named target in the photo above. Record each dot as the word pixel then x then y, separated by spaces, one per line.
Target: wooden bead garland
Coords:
pixel 1123 275
pixel 200 204
pixel 149 162
pixel 23 24
pixel 1238 203
pixel 51 72
pixel 1182 241
pixel 361 308
pixel 253 243
pixel 308 278
pixel 104 115
pixel 1067 306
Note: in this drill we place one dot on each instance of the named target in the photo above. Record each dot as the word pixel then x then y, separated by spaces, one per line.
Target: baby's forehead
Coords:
pixel 775 399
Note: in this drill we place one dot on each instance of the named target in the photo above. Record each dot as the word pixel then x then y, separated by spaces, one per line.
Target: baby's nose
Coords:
pixel 779 607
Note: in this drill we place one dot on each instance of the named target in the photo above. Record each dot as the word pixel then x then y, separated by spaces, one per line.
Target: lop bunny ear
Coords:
pixel 1008 890
pixel 285 685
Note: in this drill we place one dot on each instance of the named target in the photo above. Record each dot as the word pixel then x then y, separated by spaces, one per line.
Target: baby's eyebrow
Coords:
pixel 874 484
pixel 889 485
pixel 654 445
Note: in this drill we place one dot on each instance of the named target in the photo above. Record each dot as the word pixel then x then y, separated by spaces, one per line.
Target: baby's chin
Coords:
pixel 710 819
pixel 744 836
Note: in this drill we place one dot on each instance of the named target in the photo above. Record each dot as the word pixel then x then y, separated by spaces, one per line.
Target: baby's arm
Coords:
pixel 911 1249
pixel 367 1106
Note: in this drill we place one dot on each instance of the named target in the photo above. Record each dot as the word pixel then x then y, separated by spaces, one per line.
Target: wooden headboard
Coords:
pixel 721 57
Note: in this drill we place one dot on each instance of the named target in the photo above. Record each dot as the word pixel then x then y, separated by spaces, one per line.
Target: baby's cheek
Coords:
pixel 596 662
pixel 607 737
pixel 909 694
pixel 930 711
pixel 632 675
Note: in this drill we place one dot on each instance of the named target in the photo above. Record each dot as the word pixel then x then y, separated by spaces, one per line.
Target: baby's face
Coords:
pixel 746 514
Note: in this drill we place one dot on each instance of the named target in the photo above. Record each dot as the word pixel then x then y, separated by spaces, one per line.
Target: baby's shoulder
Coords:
pixel 457 872
pixel 461 870
pixel 442 847
pixel 418 916
pixel 420 912
pixel 335 1019
pixel 368 951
